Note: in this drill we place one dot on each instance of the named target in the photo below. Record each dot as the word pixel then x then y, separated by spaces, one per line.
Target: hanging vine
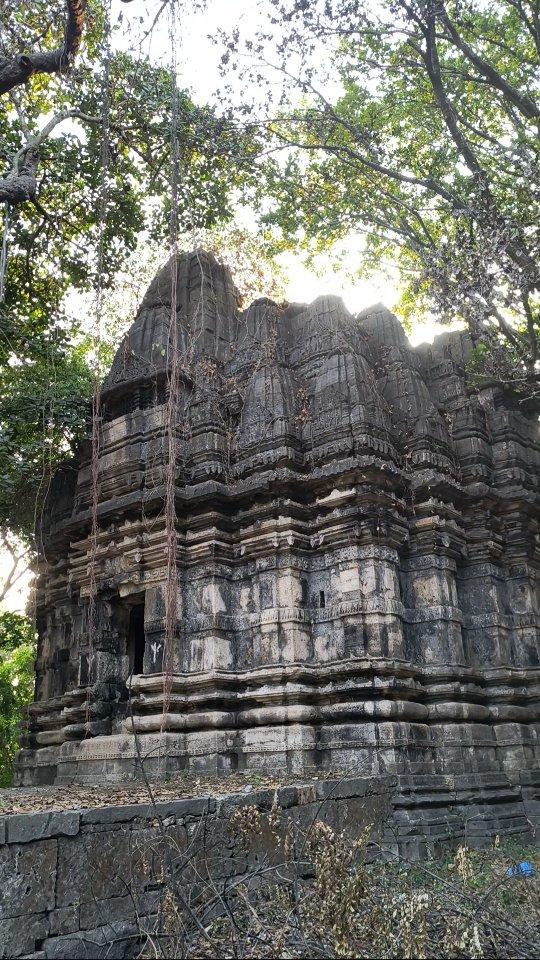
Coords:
pixel 172 405
pixel 96 396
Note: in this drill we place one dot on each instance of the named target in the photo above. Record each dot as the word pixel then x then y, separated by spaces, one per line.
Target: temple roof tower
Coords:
pixel 357 554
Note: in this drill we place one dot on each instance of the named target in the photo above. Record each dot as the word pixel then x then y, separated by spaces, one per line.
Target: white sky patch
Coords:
pixel 305 285
pixel 16 601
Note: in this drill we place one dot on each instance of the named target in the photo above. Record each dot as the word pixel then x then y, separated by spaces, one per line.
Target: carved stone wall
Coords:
pixel 357 553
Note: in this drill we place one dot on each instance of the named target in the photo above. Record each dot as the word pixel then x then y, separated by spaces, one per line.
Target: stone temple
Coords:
pixel 357 557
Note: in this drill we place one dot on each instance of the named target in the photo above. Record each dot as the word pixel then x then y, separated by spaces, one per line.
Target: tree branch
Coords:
pixel 430 56
pixel 523 103
pixel 532 22
pixel 370 161
pixel 15 572
pixel 17 70
pixel 20 184
pixel 532 331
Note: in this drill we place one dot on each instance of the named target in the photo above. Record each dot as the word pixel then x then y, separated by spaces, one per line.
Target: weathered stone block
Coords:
pixel 293 796
pixel 27 878
pixel 121 815
pixel 112 941
pixel 98 866
pixel 19 937
pixel 24 827
pixel 63 920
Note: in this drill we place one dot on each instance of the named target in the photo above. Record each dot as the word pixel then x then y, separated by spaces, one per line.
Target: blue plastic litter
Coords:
pixel 523 869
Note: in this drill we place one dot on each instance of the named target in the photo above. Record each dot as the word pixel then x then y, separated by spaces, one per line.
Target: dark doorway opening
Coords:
pixel 136 638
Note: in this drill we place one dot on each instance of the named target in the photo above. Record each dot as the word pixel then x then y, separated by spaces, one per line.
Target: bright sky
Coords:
pixel 197 58
pixel 17 599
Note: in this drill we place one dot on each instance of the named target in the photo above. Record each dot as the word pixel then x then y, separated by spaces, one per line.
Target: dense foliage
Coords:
pixel 86 157
pixel 418 125
pixel 43 410
pixel 17 652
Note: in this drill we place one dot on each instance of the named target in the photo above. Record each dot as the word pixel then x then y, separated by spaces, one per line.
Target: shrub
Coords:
pixel 17 653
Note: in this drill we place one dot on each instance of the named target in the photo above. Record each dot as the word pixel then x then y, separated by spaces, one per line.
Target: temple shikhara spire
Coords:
pixel 356 555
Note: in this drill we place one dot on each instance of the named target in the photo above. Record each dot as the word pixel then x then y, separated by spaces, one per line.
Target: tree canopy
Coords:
pixel 422 133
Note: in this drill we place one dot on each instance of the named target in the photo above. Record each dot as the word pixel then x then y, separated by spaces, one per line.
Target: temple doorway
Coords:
pixel 136 638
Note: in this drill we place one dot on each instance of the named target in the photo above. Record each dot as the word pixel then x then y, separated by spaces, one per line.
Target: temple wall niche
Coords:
pixel 205 641
pixel 329 638
pixel 522 590
pixel 57 660
pixel 524 602
pixel 380 592
pixel 483 597
pixel 154 626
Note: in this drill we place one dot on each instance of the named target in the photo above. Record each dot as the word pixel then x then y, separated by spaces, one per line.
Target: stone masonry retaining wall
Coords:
pixel 73 882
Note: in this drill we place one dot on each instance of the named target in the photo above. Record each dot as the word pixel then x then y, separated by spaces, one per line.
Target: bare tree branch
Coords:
pixel 20 184
pixel 16 570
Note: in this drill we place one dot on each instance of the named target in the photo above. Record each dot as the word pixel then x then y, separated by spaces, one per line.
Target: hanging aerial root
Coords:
pixel 172 406
pixel 96 399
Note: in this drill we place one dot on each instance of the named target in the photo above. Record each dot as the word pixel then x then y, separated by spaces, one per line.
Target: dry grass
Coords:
pixel 80 796
pixel 326 896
